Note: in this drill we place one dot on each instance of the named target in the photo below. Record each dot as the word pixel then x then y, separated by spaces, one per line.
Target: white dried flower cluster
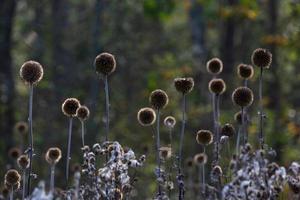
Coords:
pixel 254 177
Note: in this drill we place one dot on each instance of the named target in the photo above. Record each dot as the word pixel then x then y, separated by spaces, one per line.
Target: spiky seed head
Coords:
pixel 189 162
pixel 245 71
pixel 261 58
pixel 14 152
pixel 23 162
pixel 105 64
pixel 242 96
pixel 200 159
pixel 83 113
pixel 217 170
pixel 170 122
pixel 217 86
pixel 31 72
pixel 53 155
pixel 146 116
pixel 228 130
pixel 12 177
pixel 214 66
pixel 204 137
pixel 165 153
pixel 70 106
pixel 158 99
pixel 184 85
pixel 21 127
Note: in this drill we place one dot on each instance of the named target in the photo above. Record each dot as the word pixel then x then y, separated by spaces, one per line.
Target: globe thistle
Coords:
pixel 170 122
pixel 245 71
pixel 21 127
pixel 217 170
pixel 217 86
pixel 70 106
pixel 23 162
pixel 238 117
pixel 12 177
pixel 189 162
pixel 83 113
pixel 53 155
pixel 214 66
pixel 31 72
pixel 158 99
pixel 242 96
pixel 261 58
pixel 184 85
pixel 14 187
pixel 204 137
pixel 146 116
pixel 14 153
pixel 165 153
pixel 200 159
pixel 228 130
pixel 105 64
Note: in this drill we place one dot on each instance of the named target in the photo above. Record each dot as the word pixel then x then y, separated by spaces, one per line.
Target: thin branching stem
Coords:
pixel 52 173
pixel 107 105
pixel 30 150
pixel 69 148
pixel 157 148
pixel 261 137
pixel 82 132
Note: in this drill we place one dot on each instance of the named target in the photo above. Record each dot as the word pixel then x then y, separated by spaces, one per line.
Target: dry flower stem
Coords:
pixel 69 148
pixel 30 152
pixel 106 107
pixel 261 137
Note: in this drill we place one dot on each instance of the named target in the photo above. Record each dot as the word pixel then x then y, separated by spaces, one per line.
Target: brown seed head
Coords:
pixel 23 162
pixel 53 155
pixel 261 58
pixel 204 137
pixel 200 159
pixel 245 71
pixel 12 177
pixel 158 99
pixel 165 153
pixel 105 64
pixel 146 116
pixel 21 127
pixel 214 66
pixel 242 96
pixel 31 72
pixel 189 162
pixel 14 152
pixel 70 106
pixel 184 85
pixel 228 130
pixel 169 122
pixel 83 113
pixel 217 86
pixel 217 170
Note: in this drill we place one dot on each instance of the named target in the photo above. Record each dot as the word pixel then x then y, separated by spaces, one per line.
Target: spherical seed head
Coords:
pixel 200 159
pixel 261 58
pixel 189 162
pixel 165 153
pixel 184 85
pixel 105 64
pixel 214 66
pixel 83 113
pixel 23 162
pixel 204 137
pixel 158 99
pixel 245 71
pixel 31 72
pixel 217 170
pixel 12 177
pixel 14 152
pixel 53 155
pixel 170 122
pixel 21 127
pixel 70 106
pixel 217 86
pixel 238 117
pixel 242 96
pixel 228 130
pixel 146 116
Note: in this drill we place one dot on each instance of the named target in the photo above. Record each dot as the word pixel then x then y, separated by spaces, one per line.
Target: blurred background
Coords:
pixel 154 41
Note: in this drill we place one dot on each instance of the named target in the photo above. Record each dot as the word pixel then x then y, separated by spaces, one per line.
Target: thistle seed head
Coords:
pixel 158 99
pixel 146 116
pixel 31 72
pixel 184 85
pixel 105 64
pixel 214 66
pixel 217 86
pixel 70 106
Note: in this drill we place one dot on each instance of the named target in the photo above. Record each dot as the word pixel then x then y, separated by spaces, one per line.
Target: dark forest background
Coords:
pixel 154 41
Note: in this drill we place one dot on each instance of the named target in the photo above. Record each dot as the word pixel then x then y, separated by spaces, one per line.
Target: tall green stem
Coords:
pixel 30 152
pixel 261 137
pixel 106 107
pixel 69 148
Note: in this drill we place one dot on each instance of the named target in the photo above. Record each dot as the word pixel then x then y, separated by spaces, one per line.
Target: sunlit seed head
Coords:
pixel 83 113
pixel 165 153
pixel 245 71
pixel 12 177
pixel 53 155
pixel 146 116
pixel 184 85
pixel 214 66
pixel 242 96
pixel 204 137
pixel 261 58
pixel 70 106
pixel 170 122
pixel 228 130
pixel 105 64
pixel 158 99
pixel 31 72
pixel 23 162
pixel 217 86
pixel 200 159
